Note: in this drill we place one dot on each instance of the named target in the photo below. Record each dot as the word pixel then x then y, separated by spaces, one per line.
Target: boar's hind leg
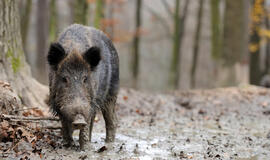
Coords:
pixel 91 126
pixel 109 116
pixel 67 134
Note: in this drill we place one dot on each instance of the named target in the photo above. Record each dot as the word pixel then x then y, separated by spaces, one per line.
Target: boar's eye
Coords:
pixel 85 79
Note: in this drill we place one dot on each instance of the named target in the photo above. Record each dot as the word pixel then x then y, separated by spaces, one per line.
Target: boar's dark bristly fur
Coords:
pixel 84 77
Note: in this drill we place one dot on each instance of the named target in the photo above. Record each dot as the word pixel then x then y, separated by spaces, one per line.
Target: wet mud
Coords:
pixel 230 123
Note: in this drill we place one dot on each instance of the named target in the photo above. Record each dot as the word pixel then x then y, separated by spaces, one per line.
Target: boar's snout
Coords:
pixel 79 122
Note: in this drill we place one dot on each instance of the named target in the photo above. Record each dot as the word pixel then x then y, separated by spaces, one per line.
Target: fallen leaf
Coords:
pixel 102 149
pixel 4 124
pixel 3 134
pixel 37 113
pixel 264 104
pixel 266 112
pixel 96 119
pixel 10 129
pixel 190 157
pixel 83 157
pixel 202 112
pixel 125 98
pixel 206 118
pixel 26 114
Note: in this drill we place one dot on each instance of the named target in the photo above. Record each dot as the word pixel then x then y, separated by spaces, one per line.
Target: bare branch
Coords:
pixel 25 109
pixel 184 15
pixel 162 20
pixel 167 7
pixel 52 127
pixel 182 19
pixel 7 117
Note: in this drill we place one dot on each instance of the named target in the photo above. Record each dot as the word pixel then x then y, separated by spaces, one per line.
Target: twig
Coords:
pixel 25 109
pixel 23 120
pixel 4 116
pixel 162 20
pixel 167 7
pixel 11 148
pixel 52 127
pixel 4 155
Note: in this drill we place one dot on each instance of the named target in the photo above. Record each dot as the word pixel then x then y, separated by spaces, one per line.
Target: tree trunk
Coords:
pixel 99 15
pixel 234 32
pixel 166 26
pixel 136 44
pixel 176 45
pixel 255 73
pixel 110 17
pixel 25 17
pixel 215 28
pixel 234 37
pixel 267 52
pixel 13 67
pixel 80 11
pixel 53 21
pixel 42 33
pixel 179 30
pixel 196 43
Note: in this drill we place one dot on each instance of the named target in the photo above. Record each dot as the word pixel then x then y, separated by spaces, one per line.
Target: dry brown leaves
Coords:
pixel 20 139
pixel 33 112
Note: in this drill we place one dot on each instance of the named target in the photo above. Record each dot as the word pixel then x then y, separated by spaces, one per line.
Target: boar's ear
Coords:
pixel 55 55
pixel 92 56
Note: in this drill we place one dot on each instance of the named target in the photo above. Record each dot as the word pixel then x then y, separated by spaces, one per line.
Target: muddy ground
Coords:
pixel 231 123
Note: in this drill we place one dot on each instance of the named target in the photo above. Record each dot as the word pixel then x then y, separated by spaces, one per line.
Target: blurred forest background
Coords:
pixel 162 44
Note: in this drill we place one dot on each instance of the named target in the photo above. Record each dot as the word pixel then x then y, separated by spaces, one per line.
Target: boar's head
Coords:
pixel 70 83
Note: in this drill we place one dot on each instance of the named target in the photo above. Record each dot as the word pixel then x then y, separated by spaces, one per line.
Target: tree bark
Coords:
pixel 179 30
pixel 167 7
pixel 255 72
pixel 267 54
pixel 80 11
pixel 42 33
pixel 136 44
pixel 110 17
pixel 13 67
pixel 99 15
pixel 254 66
pixel 266 62
pixel 53 21
pixel 25 18
pixel 234 32
pixel 215 29
pixel 196 44
pixel 176 45
pixel 161 20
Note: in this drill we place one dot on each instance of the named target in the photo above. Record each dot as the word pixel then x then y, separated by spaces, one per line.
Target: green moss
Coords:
pixel 15 60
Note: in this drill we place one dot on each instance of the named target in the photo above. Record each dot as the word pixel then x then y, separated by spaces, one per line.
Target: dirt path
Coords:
pixel 231 123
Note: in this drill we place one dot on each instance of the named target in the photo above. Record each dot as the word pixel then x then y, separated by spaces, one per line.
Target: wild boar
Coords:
pixel 83 78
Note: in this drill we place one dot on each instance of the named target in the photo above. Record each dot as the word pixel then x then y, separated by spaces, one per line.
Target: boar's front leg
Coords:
pixel 84 136
pixel 67 134
pixel 109 116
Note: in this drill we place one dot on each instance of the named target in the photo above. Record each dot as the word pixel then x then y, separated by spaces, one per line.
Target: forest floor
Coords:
pixel 225 123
